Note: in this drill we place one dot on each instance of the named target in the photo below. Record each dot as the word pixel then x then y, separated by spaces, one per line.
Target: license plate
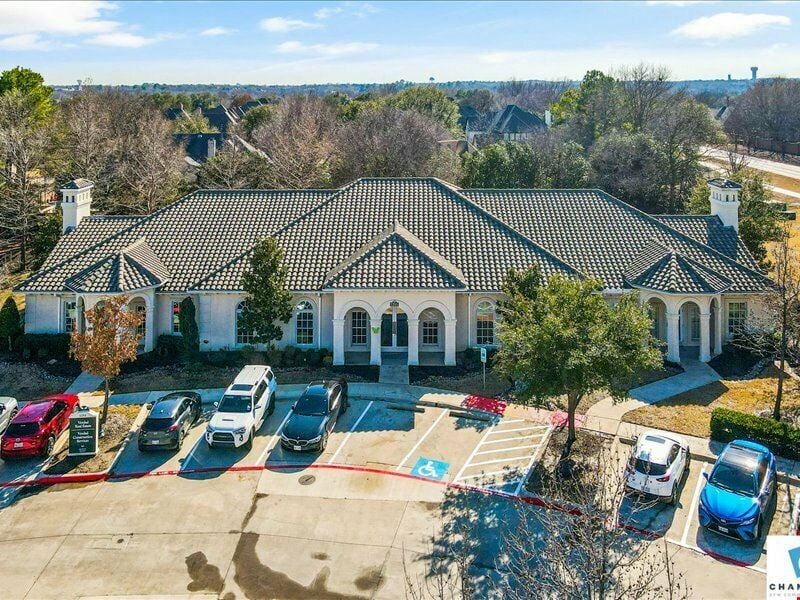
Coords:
pixel 153 442
pixel 297 447
pixel 723 529
pixel 17 444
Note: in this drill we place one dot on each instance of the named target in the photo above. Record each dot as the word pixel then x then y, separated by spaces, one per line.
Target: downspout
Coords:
pixel 469 320
pixel 319 320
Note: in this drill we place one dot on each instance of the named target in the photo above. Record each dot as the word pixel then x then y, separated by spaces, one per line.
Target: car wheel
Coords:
pixel 673 499
pixel 48 448
pixel 249 443
pixel 181 435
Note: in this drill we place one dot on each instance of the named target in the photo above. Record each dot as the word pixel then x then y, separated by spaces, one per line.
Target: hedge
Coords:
pixel 780 437
pixel 46 345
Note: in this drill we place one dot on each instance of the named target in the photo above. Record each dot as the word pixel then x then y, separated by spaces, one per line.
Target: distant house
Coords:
pixel 175 112
pixel 199 147
pixel 221 117
pixel 509 124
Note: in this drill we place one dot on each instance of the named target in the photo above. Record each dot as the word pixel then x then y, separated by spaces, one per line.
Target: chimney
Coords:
pixel 212 147
pixel 76 203
pixel 724 197
pixel 548 118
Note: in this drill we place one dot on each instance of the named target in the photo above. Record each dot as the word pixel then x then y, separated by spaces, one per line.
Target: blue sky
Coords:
pixel 318 42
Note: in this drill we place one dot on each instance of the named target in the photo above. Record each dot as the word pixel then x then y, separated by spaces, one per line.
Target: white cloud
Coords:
pixel 121 40
pixel 213 31
pixel 338 49
pixel 723 26
pixel 23 41
pixel 69 18
pixel 327 12
pixel 283 24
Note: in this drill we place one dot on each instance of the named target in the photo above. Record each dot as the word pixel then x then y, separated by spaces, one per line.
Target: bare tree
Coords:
pixel 769 112
pixel 775 332
pixel 388 142
pixel 233 169
pixel 537 96
pixel 24 148
pixel 645 89
pixel 300 143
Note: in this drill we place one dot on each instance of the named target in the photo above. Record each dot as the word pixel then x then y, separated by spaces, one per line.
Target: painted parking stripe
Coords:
pixel 517 438
pixel 349 433
pixel 489 474
pixel 500 460
pixel 472 454
pixel 192 451
pixel 539 451
pixel 522 429
pixel 420 440
pixel 692 507
pixel 274 439
pixel 506 449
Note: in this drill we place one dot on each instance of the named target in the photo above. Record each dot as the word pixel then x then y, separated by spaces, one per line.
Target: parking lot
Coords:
pixel 429 442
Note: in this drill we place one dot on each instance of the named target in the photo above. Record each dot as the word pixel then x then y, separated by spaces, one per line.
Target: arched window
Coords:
pixel 429 322
pixel 243 336
pixel 485 324
pixel 70 316
pixel 304 323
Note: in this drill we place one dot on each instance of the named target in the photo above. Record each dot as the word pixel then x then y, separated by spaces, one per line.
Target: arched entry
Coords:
pixel 658 315
pixel 689 329
pixel 431 340
pixel 394 329
pixel 357 336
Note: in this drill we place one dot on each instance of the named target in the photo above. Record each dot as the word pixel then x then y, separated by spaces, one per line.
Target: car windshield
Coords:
pixel 734 479
pixel 157 424
pixel 649 468
pixel 312 403
pixel 22 429
pixel 234 404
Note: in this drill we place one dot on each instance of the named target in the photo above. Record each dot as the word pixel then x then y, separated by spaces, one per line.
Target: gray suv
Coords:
pixel 169 420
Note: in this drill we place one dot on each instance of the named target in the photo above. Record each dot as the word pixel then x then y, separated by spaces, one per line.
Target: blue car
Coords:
pixel 739 490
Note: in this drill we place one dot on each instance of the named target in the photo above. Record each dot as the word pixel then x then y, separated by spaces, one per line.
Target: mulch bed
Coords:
pixel 118 425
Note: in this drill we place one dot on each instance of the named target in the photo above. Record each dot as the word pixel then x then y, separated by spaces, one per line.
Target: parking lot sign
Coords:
pixel 483 355
pixel 83 433
pixel 430 468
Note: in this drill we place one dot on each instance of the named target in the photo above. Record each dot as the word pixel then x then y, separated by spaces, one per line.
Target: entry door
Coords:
pixel 402 330
pixel 386 330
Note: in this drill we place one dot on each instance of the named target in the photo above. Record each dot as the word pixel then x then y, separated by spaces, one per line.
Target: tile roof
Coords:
pixel 395 259
pixel 601 235
pixel 662 269
pixel 513 119
pixel 77 184
pixel 135 267
pixel 439 234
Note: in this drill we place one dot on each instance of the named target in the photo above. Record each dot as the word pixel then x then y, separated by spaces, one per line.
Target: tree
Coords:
pixel 108 341
pixel 10 323
pixel 569 341
pixel 431 102
pixel 300 142
pixel 644 91
pixel 31 85
pixel 775 332
pixel 45 238
pixel 592 109
pixel 193 123
pixel 269 302
pixel 234 169
pixel 482 100
pixel 388 142
pixel 187 322
pixel 257 117
pixel 536 96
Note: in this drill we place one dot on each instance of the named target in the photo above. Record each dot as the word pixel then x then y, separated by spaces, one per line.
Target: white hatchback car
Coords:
pixel 244 406
pixel 657 465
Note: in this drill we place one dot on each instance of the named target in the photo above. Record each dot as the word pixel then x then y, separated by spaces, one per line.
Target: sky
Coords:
pixel 340 42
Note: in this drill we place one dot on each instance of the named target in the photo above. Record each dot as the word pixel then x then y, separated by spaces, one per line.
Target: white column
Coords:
pixel 718 329
pixel 673 338
pixel 705 336
pixel 338 341
pixel 413 341
pixel 450 342
pixel 375 342
pixel 149 325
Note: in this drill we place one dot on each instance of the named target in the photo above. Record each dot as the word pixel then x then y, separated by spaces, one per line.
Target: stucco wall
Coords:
pixel 42 313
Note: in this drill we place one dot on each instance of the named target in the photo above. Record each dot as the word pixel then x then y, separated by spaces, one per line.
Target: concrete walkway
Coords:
pixel 84 384
pixel 394 368
pixel 606 415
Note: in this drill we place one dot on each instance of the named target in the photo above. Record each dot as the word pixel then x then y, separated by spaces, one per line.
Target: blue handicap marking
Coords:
pixel 430 468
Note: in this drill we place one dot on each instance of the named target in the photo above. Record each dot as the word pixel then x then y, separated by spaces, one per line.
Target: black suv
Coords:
pixel 170 418
pixel 314 415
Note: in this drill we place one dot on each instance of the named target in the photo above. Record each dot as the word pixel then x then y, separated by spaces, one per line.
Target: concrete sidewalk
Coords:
pixel 84 384
pixel 696 374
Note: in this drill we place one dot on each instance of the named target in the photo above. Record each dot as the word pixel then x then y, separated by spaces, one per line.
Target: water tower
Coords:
pixel 754 71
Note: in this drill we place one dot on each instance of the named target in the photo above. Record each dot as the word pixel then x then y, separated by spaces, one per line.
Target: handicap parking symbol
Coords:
pixel 430 468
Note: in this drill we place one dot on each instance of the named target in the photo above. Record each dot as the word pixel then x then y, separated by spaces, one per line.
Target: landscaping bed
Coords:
pixel 458 379
pixel 734 362
pixel 586 454
pixel 27 381
pixel 118 425
pixel 690 412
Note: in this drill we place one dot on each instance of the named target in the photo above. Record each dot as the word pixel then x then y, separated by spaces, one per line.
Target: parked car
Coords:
pixel 314 415
pixel 36 427
pixel 243 408
pixel 739 490
pixel 657 465
pixel 169 420
pixel 8 410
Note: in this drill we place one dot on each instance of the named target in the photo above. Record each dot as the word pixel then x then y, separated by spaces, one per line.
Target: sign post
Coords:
pixel 483 361
pixel 83 433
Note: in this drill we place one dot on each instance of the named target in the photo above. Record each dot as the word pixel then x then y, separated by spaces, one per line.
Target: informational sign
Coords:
pixel 483 355
pixel 430 468
pixel 83 433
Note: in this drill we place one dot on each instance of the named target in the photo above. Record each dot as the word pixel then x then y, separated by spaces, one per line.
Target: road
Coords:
pixel 762 164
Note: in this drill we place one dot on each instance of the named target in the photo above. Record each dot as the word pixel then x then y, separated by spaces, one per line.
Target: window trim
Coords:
pixel 478 321
pixel 175 323
pixel 240 306
pixel 428 324
pixel 307 312
pixel 64 304
pixel 365 327
pixel 740 320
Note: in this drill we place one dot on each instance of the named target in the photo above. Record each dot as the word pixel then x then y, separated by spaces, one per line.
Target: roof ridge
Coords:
pixel 683 235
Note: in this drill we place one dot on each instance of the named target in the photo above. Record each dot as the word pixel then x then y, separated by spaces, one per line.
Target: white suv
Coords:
pixel 243 408
pixel 657 465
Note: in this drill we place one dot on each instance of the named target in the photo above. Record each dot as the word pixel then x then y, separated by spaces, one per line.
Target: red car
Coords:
pixel 36 427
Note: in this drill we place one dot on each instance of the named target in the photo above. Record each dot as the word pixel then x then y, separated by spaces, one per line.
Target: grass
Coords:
pixel 118 425
pixel 468 383
pixel 29 381
pixel 690 412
